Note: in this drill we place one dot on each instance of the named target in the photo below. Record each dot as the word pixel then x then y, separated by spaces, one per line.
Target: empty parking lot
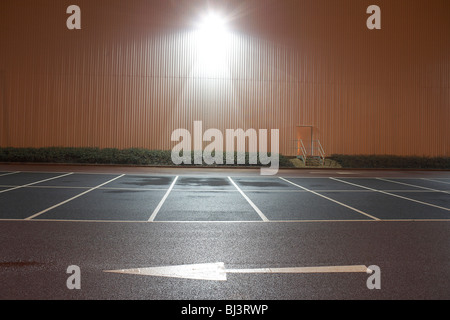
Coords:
pixel 153 198
pixel 123 218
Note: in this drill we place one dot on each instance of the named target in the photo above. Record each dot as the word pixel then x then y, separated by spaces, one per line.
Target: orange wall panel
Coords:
pixel 132 74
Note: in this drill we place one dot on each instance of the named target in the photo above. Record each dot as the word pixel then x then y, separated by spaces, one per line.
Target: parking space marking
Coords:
pixel 412 185
pixel 47 187
pixel 224 190
pixel 206 190
pixel 415 191
pixel 155 212
pixel 8 173
pixel 133 189
pixel 392 194
pixel 335 201
pixel 261 215
pixel 106 188
pixel 68 200
pixel 220 221
pixel 436 180
pixel 33 183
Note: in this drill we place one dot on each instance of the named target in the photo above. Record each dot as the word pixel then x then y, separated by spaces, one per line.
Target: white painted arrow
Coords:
pixel 217 272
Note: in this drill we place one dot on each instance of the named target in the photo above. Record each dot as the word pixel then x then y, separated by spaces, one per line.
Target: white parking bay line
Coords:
pixel 33 183
pixel 436 180
pixel 392 194
pixel 155 212
pixel 8 173
pixel 412 185
pixel 335 201
pixel 261 215
pixel 68 200
pixel 346 172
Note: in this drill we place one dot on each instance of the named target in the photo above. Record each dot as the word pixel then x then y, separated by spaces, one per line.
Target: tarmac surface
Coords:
pixel 109 218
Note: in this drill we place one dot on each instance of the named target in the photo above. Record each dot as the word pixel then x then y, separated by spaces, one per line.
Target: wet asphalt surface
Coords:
pixel 50 220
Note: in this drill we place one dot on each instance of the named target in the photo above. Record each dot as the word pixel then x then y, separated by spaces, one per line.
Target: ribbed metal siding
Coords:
pixel 130 76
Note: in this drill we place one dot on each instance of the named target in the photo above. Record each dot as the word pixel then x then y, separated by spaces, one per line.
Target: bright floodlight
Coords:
pixel 213 26
pixel 212 44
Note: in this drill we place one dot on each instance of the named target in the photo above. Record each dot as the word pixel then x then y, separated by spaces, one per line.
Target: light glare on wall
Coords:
pixel 213 39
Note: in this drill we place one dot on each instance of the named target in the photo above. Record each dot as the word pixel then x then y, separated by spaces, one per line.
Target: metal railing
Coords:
pixel 315 149
pixel 300 150
pixel 321 152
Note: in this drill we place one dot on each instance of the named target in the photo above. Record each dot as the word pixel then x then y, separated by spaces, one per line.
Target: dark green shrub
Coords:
pixel 131 156
pixel 391 161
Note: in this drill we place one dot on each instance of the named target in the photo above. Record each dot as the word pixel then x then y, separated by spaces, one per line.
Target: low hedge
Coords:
pixel 391 161
pixel 133 156
pixel 137 156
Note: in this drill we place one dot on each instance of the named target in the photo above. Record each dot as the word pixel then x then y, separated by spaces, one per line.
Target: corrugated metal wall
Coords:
pixel 132 74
